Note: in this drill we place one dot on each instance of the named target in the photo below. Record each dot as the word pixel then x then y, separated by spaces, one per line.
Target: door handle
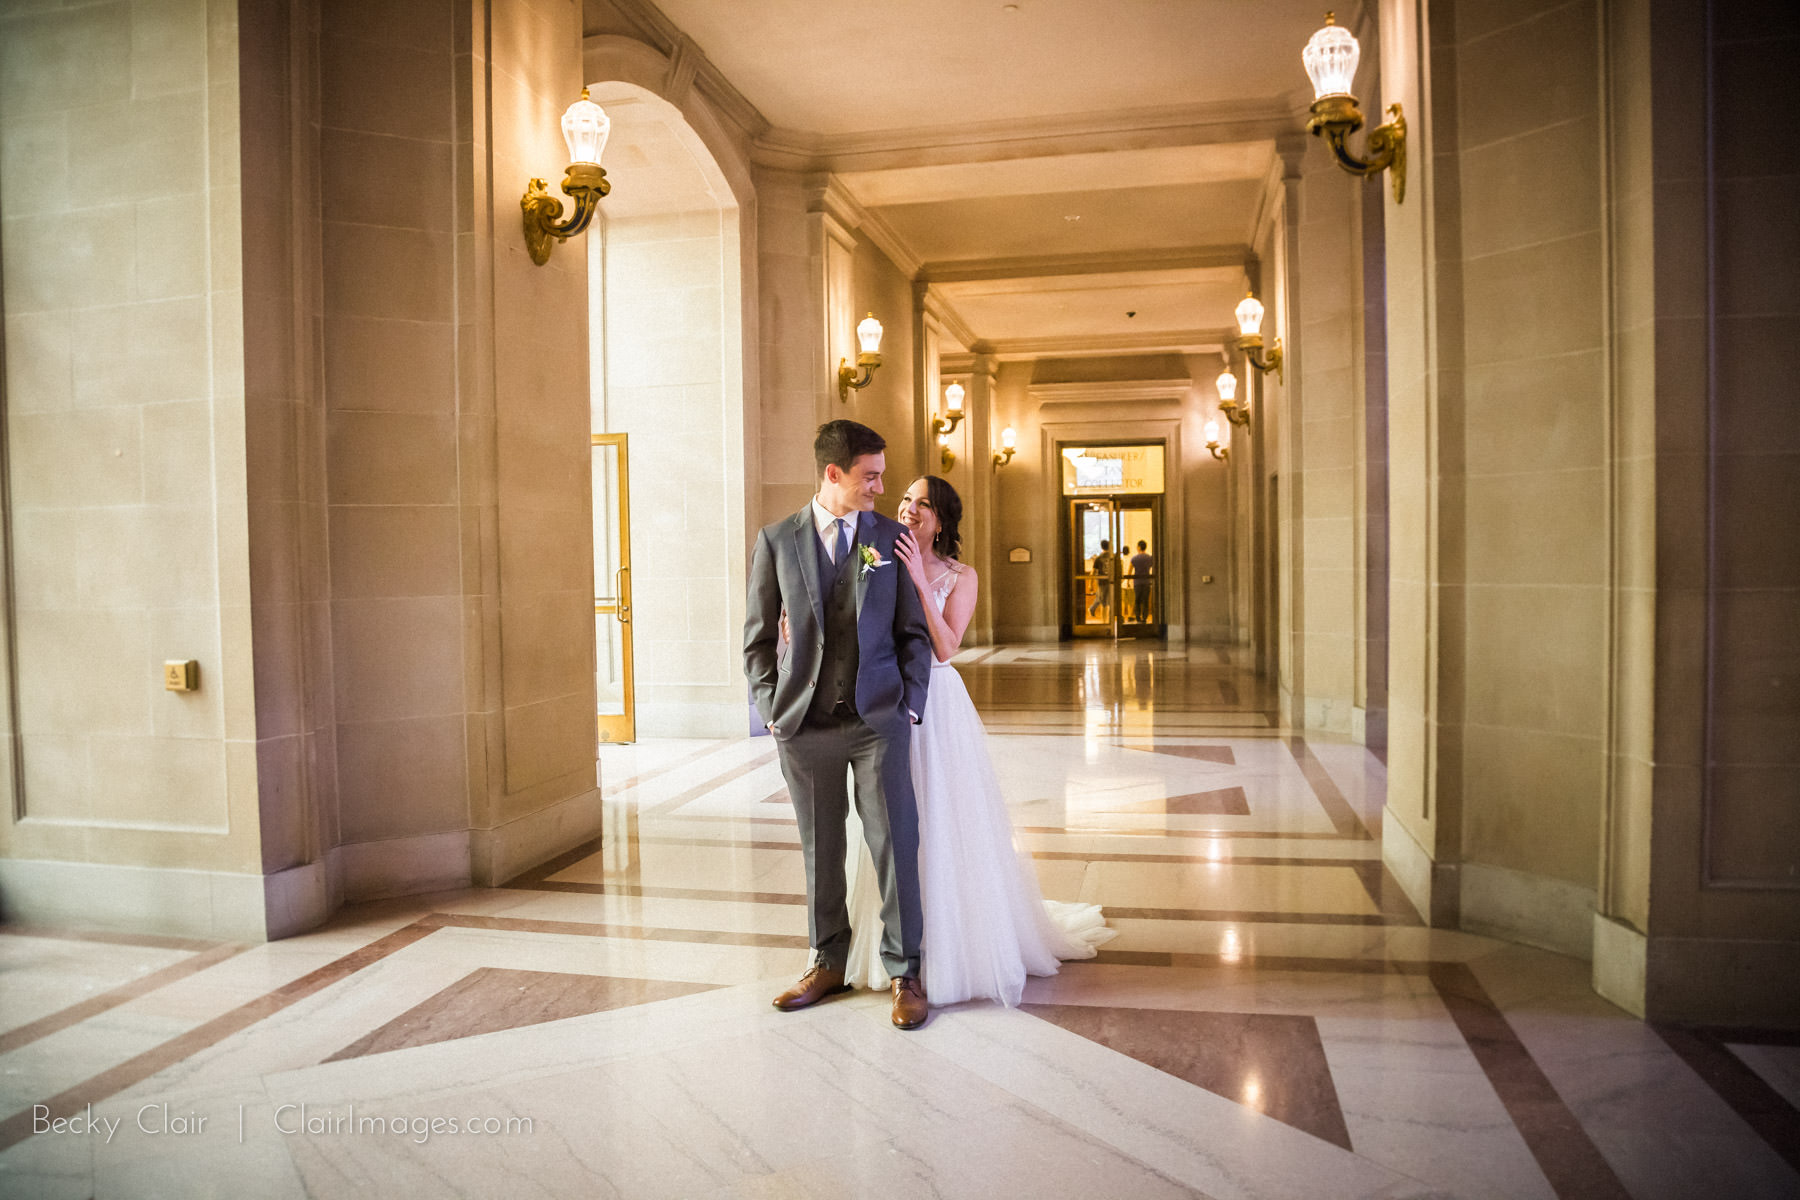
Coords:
pixel 621 584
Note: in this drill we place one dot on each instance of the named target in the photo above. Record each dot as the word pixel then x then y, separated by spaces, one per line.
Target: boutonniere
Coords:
pixel 870 559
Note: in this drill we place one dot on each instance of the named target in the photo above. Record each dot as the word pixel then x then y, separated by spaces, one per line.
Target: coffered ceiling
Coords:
pixel 841 67
pixel 1071 176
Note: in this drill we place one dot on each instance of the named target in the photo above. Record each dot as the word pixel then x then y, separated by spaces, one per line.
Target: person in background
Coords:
pixel 1103 569
pixel 1142 563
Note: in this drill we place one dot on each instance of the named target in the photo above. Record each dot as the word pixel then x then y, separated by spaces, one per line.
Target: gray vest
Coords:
pixel 837 662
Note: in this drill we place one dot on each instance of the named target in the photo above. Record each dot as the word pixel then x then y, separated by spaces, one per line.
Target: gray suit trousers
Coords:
pixel 816 762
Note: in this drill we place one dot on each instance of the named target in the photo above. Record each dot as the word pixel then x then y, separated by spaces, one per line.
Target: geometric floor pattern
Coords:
pixel 1268 1062
pixel 1272 1020
pixel 491 999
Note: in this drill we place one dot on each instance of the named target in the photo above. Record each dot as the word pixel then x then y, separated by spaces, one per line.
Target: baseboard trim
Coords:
pixel 403 866
pixel 1552 914
pixel 1722 981
pixel 1620 958
pixel 509 850
pixel 222 905
pixel 1408 861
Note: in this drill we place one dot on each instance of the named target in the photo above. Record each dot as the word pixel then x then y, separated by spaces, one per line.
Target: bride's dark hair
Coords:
pixel 948 507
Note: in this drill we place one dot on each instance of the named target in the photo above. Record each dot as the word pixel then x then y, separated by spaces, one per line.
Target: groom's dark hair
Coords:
pixel 843 442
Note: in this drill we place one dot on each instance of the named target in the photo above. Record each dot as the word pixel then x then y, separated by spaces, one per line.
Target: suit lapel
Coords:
pixel 865 536
pixel 806 545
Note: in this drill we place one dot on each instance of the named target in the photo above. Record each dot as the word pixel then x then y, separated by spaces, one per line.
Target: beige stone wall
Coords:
pixel 1323 507
pixel 1024 594
pixel 1205 528
pixel 1700 918
pixel 1274 428
pixel 890 404
pixel 817 277
pixel 1500 593
pixel 1369 718
pixel 389 334
pixel 1753 738
pixel 285 440
pixel 1624 884
pixel 663 281
pixel 1421 839
pixel 523 379
pixel 1534 525
pixel 792 381
pixel 125 436
pixel 326 434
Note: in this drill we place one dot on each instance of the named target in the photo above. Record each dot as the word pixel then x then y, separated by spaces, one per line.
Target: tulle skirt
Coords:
pixel 987 924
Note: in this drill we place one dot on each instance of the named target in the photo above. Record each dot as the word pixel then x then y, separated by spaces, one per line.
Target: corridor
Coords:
pixel 1273 1019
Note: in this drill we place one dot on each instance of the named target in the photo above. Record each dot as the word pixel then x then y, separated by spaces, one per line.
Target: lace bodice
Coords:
pixel 940 588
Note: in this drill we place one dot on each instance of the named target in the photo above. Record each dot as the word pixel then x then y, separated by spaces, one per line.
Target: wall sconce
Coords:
pixel 585 127
pixel 868 336
pixel 1212 440
pixel 1235 413
pixel 1249 319
pixel 1330 57
pixel 946 456
pixel 1009 443
pixel 953 403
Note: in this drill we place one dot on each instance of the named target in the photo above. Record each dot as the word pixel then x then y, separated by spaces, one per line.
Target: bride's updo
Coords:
pixel 948 507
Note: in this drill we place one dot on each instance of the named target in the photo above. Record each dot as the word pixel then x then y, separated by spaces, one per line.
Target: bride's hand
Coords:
pixel 907 551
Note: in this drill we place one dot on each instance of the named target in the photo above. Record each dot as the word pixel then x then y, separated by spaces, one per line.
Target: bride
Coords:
pixel 987 924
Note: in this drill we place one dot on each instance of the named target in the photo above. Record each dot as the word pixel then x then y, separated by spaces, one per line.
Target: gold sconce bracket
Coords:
pixel 585 184
pixel 1251 344
pixel 1237 414
pixel 847 374
pixel 1335 118
pixel 946 424
pixel 1003 456
pixel 946 457
pixel 1219 452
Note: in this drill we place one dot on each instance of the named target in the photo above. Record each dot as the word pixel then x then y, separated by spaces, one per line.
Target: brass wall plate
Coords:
pixel 181 675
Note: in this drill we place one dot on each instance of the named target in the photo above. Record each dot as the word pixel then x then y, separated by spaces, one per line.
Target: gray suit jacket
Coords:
pixel 893 641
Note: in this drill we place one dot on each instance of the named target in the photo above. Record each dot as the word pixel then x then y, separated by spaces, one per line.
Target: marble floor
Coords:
pixel 1273 1019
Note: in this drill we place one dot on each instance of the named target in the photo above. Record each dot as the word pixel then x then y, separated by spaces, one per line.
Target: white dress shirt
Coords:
pixel 826 524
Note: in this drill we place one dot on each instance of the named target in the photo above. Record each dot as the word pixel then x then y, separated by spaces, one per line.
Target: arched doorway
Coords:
pixel 667 373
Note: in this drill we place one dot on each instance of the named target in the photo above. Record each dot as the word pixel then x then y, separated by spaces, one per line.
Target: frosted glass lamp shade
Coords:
pixel 1212 430
pixel 1330 57
pixel 1009 438
pixel 868 334
pixel 953 397
pixel 585 127
pixel 1249 316
pixel 1227 386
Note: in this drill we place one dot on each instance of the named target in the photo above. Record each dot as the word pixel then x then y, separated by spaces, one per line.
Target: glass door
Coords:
pixel 1093 567
pixel 1140 577
pixel 612 589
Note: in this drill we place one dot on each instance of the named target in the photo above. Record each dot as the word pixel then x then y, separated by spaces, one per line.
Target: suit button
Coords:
pixel 809 683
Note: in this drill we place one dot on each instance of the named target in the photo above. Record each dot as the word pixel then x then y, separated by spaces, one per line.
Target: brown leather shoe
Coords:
pixel 819 982
pixel 910 1006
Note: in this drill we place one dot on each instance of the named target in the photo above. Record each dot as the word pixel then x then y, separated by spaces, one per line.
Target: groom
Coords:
pixel 845 699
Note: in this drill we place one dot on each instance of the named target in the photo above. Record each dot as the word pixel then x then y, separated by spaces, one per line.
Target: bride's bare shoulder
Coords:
pixel 963 572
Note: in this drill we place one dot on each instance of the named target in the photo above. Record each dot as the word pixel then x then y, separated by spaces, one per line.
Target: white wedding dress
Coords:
pixel 987 924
